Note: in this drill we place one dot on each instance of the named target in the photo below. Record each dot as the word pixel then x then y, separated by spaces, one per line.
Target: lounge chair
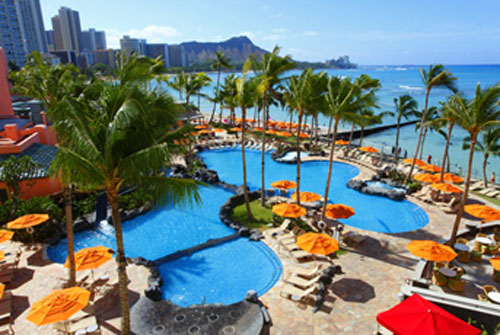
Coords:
pixel 493 194
pixel 296 294
pixel 353 239
pixel 280 230
pixel 301 282
pixel 486 191
pixel 6 308
pixel 304 272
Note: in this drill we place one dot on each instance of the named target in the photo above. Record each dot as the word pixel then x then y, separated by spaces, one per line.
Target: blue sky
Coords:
pixel 371 32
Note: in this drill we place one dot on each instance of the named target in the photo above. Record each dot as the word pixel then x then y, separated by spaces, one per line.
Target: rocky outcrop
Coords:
pixel 361 186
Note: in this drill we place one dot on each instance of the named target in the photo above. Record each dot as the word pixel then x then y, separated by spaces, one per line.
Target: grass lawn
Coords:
pixel 262 215
pixel 494 201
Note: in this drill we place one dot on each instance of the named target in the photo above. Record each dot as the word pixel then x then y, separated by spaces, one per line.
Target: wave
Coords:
pixel 411 88
pixel 400 69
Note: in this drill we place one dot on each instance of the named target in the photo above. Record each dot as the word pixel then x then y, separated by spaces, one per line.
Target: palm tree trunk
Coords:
pixel 466 191
pixel 220 113
pixel 316 137
pixel 445 156
pixel 217 90
pixel 423 143
pixel 352 134
pixel 199 106
pixel 330 129
pixel 263 157
pixel 419 136
pixel 397 136
pixel 112 195
pixel 290 123
pixel 330 165
pixel 71 239
pixel 361 136
pixel 298 155
pixel 485 162
pixel 244 164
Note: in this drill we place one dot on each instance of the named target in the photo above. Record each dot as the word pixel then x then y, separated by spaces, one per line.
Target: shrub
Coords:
pixel 134 200
pixel 84 205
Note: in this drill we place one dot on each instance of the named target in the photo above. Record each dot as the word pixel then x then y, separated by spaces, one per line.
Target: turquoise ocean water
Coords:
pixel 399 80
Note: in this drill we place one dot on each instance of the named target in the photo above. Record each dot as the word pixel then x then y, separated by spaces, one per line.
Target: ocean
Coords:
pixel 400 80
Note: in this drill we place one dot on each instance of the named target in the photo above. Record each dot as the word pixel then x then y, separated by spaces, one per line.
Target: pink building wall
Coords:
pixel 5 102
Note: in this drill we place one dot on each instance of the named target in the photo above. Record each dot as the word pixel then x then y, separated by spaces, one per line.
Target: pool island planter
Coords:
pixel 363 187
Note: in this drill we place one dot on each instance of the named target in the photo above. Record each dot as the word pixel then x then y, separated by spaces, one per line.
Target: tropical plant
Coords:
pixel 431 123
pixel 489 146
pixel 436 76
pixel 405 106
pixel 482 112
pixel 201 80
pixel 125 138
pixel 221 61
pixel 368 118
pixel 15 170
pixel 228 95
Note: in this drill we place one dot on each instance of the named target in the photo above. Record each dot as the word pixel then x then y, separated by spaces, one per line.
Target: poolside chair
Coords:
pixel 307 273
pixel 489 288
pixel 280 230
pixel 493 194
pixel 296 294
pixel 301 282
pixel 6 308
pixel 486 191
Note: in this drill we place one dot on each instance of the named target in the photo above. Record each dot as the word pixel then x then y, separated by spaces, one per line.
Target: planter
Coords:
pixel 438 279
pixel 456 285
pixel 477 256
pixel 463 257
pixel 493 249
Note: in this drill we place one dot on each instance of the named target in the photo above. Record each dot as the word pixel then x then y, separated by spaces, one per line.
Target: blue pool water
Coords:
pixel 373 213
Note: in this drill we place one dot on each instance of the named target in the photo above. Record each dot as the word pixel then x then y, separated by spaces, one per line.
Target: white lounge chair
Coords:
pixel 296 294
pixel 301 282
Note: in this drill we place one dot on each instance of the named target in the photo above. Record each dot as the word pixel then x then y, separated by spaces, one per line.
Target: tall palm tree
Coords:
pixel 488 146
pixel 405 106
pixel 482 112
pixel 430 124
pixel 368 118
pixel 270 72
pixel 221 61
pixel 177 83
pixel 436 76
pixel 448 112
pixel 50 84
pixel 340 100
pixel 201 81
pixel 228 94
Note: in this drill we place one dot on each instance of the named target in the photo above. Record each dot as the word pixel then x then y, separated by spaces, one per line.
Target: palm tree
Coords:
pixel 436 76
pixel 340 100
pixel 368 118
pixel 269 71
pixel 482 112
pixel 177 83
pixel 221 61
pixel 488 146
pixel 201 81
pixel 228 94
pixel 448 112
pixel 50 84
pixel 430 124
pixel 405 106
pixel 245 98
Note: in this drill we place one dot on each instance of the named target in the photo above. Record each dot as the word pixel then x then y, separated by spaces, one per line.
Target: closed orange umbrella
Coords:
pixel 91 258
pixel 368 149
pixel 283 133
pixel 450 177
pixel 430 168
pixel 284 184
pixel 341 142
pixel 495 262
pixel 2 289
pixel 201 126
pixel 418 162
pixel 315 243
pixel 236 129
pixel 27 221
pixel 5 235
pixel 445 187
pixel 60 305
pixel 339 211
pixel 483 212
pixel 307 196
pixel 431 251
pixel 289 210
pixel 426 178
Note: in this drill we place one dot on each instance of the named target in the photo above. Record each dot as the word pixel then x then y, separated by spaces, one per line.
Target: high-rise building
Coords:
pixel 106 57
pixel 10 33
pixel 93 40
pixel 177 56
pixel 49 35
pixel 65 56
pixel 158 50
pixel 129 45
pixel 67 30
pixel 100 40
pixel 30 19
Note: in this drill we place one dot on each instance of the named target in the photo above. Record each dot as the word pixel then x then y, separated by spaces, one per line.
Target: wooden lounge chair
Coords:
pixel 280 230
pixel 295 293
pixel 307 273
pixel 301 282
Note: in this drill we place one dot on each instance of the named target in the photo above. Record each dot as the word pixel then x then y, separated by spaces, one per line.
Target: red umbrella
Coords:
pixel 416 316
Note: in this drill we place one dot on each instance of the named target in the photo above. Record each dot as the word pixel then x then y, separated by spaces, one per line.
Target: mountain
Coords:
pixel 236 48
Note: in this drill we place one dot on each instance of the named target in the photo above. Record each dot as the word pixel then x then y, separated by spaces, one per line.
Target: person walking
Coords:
pixel 429 159
pixel 492 177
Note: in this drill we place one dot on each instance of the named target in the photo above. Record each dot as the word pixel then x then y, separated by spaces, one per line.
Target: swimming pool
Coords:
pixel 373 213
pixel 383 185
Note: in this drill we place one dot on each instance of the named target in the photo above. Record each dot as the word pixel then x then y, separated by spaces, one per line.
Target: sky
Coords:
pixel 371 32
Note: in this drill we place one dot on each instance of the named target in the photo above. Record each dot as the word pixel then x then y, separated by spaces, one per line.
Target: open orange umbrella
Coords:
pixel 284 184
pixel 302 135
pixel 5 235
pixel 271 132
pixel 426 178
pixel 341 142
pixel 483 212
pixel 236 129
pixel 60 305
pixel 257 129
pixel 218 130
pixel 2 289
pixel 339 211
pixel 450 177
pixel 368 149
pixel 294 125
pixel 495 262
pixel 91 258
pixel 445 187
pixel 289 210
pixel 27 221
pixel 283 133
pixel 431 251
pixel 281 124
pixel 272 123
pixel 418 162
pixel 307 196
pixel 430 168
pixel 205 131
pixel 315 243
pixel 201 126
pixel 251 120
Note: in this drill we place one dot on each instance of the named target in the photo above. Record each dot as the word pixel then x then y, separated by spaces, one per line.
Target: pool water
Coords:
pixel 384 186
pixel 375 213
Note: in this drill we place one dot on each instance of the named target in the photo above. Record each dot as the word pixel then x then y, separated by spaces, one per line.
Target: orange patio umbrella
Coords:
pixel 238 119
pixel 305 126
pixel 281 124
pixel 316 243
pixel 418 162
pixel 236 129
pixel 289 210
pixel 60 305
pixel 284 184
pixel 283 133
pixel 495 262
pixel 341 142
pixel 251 120
pixel 368 149
pixel 91 258
pixel 272 123
pixel 201 126
pixel 445 187
pixel 27 221
pixel 483 212
pixel 450 177
pixel 2 255
pixel 302 135
pixel 218 130
pixel 257 129
pixel 307 196
pixel 339 211
pixel 430 168
pixel 205 131
pixel 426 178
pixel 271 132
pixel 431 251
pixel 294 125
pixel 5 235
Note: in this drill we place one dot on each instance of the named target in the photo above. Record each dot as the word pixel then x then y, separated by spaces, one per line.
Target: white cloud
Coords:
pixel 152 33
pixel 311 33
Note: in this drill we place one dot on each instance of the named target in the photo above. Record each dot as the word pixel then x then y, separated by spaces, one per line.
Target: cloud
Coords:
pixel 152 33
pixel 311 33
